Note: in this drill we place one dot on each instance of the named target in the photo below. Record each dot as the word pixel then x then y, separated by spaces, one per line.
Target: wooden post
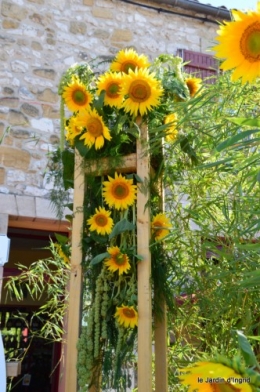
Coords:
pixel 75 283
pixel 3 230
pixel 144 267
pixel 160 338
pixel 160 334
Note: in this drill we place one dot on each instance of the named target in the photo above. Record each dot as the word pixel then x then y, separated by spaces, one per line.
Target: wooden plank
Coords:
pixel 75 283
pixel 126 164
pixel 144 268
pixel 39 224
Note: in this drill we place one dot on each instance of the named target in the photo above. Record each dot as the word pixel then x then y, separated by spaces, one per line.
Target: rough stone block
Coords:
pixel 9 203
pixel 78 27
pixel 36 46
pixel 48 95
pixel 9 102
pixel 30 110
pixel 13 11
pixel 101 12
pixel 2 175
pixel 88 2
pixel 19 66
pixel 10 24
pixel 8 90
pixel 44 209
pixel 20 133
pixel 50 112
pixel 45 73
pixel 120 35
pixel 12 157
pixel 26 206
pixel 17 118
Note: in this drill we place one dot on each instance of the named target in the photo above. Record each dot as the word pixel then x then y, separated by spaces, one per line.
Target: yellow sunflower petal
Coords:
pixel 118 261
pixel 111 83
pixel 101 221
pixel 143 92
pixel 76 95
pixel 127 316
pixel 194 85
pixel 72 129
pixel 243 36
pixel 171 131
pixel 160 226
pixel 211 376
pixel 96 130
pixel 128 59
pixel 119 192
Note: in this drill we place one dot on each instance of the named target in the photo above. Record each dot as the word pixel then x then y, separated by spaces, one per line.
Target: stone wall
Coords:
pixel 39 40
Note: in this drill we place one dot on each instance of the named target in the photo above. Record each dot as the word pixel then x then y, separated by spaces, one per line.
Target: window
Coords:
pixel 199 64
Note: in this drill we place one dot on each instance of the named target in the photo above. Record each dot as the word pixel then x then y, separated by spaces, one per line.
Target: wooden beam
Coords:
pixel 103 166
pixel 39 224
pixel 144 267
pixel 75 283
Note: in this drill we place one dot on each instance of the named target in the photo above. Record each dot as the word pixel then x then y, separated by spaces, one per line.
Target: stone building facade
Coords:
pixel 40 39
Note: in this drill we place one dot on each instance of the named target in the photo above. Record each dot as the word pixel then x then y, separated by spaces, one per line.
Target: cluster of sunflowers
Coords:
pixel 130 88
pixel 104 123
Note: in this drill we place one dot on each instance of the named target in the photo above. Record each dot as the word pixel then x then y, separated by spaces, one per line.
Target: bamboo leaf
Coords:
pixel 246 350
pixel 234 139
pixel 252 122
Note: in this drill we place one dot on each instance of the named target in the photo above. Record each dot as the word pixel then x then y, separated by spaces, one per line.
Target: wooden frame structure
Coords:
pixel 139 163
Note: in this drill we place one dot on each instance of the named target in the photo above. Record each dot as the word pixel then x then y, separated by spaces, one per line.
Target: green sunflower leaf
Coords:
pixel 97 259
pixel 120 227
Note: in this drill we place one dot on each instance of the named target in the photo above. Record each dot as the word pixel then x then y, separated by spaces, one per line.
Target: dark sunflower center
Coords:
pixel 120 259
pixel 101 220
pixel 112 90
pixel 95 127
pixel 120 191
pixel 129 313
pixel 128 65
pixel 192 87
pixel 139 91
pixel 79 97
pixel 250 42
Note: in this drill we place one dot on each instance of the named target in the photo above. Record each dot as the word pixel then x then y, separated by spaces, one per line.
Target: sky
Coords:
pixel 238 4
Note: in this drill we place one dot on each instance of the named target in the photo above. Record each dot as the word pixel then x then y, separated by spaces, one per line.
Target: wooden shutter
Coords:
pixel 199 64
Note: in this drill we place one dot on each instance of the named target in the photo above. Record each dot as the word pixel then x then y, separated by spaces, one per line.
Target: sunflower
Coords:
pixel 118 261
pixel 160 226
pixel 72 129
pixel 111 83
pixel 193 84
pixel 239 45
pixel 119 192
pixel 61 254
pixel 214 377
pixel 127 316
pixel 171 129
pixel 128 59
pixel 101 221
pixel 142 91
pixel 96 130
pixel 76 95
